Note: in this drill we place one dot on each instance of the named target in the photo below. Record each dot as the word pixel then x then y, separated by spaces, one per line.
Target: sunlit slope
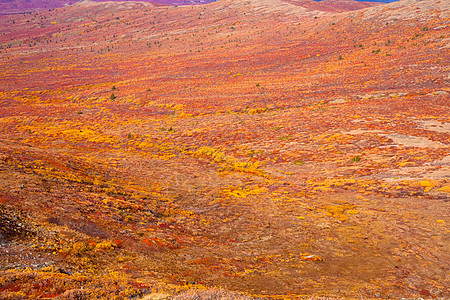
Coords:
pixel 259 146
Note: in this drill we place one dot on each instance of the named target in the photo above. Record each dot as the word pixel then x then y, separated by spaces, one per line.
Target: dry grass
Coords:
pixel 210 294
pixel 214 294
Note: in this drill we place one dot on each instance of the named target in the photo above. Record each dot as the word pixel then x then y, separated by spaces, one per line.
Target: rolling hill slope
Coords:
pixel 23 6
pixel 260 146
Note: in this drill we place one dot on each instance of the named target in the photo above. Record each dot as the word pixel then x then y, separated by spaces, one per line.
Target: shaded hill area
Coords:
pixel 258 146
pixel 28 6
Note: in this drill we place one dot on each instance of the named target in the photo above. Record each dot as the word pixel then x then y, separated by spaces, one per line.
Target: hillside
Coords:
pixel 261 146
pixel 29 6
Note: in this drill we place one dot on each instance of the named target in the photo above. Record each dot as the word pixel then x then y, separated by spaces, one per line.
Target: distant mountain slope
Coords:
pixel 21 6
pixel 333 5
pixel 26 6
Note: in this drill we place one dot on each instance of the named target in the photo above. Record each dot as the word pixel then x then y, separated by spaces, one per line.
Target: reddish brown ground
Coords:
pixel 253 145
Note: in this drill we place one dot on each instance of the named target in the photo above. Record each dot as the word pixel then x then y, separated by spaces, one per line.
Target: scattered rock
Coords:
pixel 12 223
pixel 311 257
pixel 338 101
pixel 438 93
pixel 395 95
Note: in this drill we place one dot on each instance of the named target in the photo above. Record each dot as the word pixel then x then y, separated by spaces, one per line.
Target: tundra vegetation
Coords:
pixel 263 148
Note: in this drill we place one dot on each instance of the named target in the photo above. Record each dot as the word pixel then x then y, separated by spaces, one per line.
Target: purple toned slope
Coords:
pixel 24 6
pixel 169 2
pixel 21 6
